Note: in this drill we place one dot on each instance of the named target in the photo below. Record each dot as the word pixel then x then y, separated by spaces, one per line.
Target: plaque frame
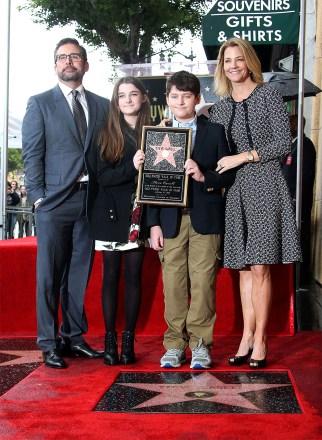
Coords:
pixel 157 174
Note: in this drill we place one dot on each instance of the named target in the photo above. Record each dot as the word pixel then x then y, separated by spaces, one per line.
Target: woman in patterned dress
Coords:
pixel 115 218
pixel 260 224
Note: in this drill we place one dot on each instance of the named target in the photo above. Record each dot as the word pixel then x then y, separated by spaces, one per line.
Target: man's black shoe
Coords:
pixel 65 349
pixel 53 359
pixel 85 351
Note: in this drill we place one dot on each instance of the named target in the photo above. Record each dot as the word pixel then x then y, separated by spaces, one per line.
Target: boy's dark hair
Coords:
pixel 82 49
pixel 183 81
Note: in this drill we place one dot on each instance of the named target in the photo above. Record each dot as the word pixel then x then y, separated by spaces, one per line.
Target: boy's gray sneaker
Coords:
pixel 173 358
pixel 200 356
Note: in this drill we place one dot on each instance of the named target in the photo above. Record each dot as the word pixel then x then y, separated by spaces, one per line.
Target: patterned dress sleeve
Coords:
pixel 277 117
pixel 215 114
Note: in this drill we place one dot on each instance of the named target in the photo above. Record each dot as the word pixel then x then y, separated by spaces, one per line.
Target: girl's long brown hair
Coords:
pixel 111 137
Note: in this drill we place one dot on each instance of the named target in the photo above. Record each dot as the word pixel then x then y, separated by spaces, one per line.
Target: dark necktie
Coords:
pixel 79 116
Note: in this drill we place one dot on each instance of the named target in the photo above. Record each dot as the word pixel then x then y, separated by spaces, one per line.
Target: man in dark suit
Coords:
pixel 308 176
pixel 189 239
pixel 60 126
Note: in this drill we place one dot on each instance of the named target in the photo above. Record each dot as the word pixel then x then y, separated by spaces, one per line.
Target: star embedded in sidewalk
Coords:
pixel 222 392
pixel 165 151
pixel 203 386
pixel 18 357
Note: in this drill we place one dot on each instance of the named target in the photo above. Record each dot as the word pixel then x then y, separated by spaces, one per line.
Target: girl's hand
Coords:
pixel 138 159
pixel 164 122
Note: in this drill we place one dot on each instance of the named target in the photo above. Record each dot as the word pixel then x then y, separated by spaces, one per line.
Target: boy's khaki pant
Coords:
pixel 189 263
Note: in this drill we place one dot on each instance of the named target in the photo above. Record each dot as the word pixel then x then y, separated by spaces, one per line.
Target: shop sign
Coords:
pixel 257 21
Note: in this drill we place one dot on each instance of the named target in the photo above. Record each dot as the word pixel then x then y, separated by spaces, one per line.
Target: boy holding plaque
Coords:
pixel 189 239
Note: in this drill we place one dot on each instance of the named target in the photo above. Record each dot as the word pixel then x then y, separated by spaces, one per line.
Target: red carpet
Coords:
pixel 58 405
pixel 18 290
pixel 53 405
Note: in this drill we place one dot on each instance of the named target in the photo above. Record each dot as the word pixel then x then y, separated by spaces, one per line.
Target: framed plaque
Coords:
pixel 162 177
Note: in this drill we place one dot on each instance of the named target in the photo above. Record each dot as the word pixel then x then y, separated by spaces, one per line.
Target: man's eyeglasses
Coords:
pixel 72 57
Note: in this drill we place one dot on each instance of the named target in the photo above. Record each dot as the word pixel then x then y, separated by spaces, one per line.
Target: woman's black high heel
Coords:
pixel 240 360
pixel 256 364
pixel 253 363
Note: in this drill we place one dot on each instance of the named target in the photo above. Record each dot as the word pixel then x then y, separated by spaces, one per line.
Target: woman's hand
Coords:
pixel 228 162
pixel 193 170
pixel 138 159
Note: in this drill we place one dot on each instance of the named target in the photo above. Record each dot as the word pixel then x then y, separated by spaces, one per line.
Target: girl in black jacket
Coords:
pixel 116 218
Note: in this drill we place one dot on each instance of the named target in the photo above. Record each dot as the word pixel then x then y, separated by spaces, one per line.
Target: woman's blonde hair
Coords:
pixel 223 85
pixel 111 137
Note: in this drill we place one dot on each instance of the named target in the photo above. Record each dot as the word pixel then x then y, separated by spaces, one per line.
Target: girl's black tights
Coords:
pixel 133 260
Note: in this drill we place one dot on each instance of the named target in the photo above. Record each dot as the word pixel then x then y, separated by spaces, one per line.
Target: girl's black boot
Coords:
pixel 127 352
pixel 111 356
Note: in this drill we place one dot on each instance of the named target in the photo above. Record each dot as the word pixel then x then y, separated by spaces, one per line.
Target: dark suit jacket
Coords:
pixel 308 172
pixel 52 152
pixel 110 212
pixel 206 202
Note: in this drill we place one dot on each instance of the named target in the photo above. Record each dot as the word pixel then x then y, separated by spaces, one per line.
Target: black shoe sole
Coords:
pixel 127 361
pixel 111 362
pixel 56 367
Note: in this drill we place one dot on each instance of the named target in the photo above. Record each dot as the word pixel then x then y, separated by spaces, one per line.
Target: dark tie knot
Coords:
pixel 75 93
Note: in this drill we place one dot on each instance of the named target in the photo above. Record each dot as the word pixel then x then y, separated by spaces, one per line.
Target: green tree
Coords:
pixel 127 28
pixel 14 159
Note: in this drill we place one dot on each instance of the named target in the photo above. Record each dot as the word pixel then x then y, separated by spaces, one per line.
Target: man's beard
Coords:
pixel 70 76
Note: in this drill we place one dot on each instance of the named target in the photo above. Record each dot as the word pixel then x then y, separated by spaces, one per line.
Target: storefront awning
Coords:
pixel 258 21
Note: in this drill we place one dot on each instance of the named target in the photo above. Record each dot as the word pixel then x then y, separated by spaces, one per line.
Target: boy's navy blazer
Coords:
pixel 206 199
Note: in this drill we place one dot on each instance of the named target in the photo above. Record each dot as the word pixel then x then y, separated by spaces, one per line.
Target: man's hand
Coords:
pixel 156 237
pixel 37 203
pixel 193 170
